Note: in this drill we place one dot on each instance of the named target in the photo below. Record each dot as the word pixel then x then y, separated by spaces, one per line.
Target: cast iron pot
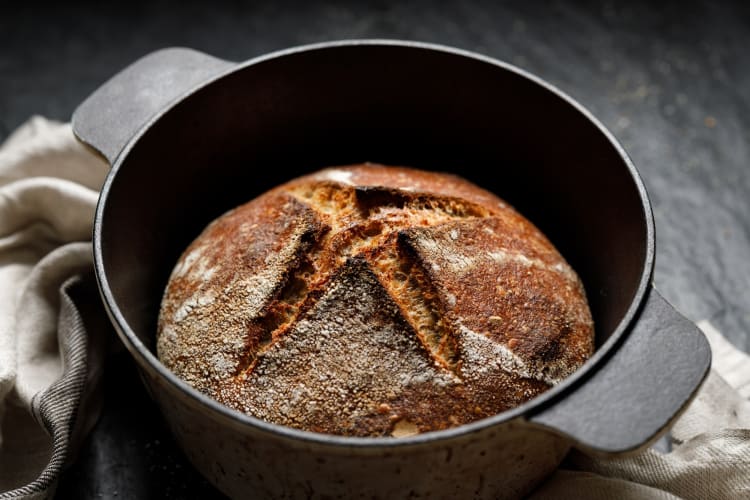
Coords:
pixel 190 136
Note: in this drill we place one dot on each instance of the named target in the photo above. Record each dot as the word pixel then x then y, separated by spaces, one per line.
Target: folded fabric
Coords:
pixel 48 362
pixel 53 335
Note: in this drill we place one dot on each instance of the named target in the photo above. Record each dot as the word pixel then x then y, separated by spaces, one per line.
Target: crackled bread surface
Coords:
pixel 369 300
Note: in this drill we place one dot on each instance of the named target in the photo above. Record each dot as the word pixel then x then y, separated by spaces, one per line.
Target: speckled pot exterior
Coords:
pixel 503 461
pixel 190 136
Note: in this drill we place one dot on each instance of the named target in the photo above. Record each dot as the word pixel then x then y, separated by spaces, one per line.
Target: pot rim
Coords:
pixel 147 360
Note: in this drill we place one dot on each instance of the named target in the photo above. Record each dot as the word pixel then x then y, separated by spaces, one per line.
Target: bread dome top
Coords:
pixel 369 300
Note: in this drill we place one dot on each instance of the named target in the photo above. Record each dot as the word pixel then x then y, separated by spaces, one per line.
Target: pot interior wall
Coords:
pixel 283 117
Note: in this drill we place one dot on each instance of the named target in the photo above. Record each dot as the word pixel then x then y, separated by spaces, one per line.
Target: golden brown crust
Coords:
pixel 371 301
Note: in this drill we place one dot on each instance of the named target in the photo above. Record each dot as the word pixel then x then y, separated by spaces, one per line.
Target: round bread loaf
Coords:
pixel 373 301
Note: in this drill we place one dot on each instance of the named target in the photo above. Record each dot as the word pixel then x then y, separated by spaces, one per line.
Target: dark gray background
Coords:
pixel 670 79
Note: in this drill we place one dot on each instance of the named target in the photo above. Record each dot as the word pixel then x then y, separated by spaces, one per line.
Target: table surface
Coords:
pixel 670 80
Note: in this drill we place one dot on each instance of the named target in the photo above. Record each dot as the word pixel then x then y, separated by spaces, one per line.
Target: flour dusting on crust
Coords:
pixel 373 301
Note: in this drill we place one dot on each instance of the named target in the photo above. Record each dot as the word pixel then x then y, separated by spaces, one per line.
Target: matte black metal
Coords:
pixel 115 112
pixel 245 129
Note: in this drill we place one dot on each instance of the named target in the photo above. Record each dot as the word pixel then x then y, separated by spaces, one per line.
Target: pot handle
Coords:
pixel 114 113
pixel 639 391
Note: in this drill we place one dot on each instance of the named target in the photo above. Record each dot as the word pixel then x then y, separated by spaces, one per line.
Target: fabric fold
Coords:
pixel 56 407
pixel 49 351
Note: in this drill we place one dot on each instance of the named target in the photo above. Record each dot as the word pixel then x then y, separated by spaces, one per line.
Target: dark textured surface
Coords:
pixel 671 81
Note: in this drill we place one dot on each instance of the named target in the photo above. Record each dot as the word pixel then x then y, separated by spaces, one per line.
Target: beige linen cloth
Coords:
pixel 53 331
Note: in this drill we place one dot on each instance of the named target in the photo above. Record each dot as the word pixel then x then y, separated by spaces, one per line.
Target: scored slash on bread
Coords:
pixel 371 301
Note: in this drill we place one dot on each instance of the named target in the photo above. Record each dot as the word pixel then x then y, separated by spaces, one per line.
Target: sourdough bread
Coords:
pixel 373 301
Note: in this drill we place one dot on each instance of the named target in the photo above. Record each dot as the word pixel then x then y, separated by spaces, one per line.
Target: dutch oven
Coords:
pixel 190 136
